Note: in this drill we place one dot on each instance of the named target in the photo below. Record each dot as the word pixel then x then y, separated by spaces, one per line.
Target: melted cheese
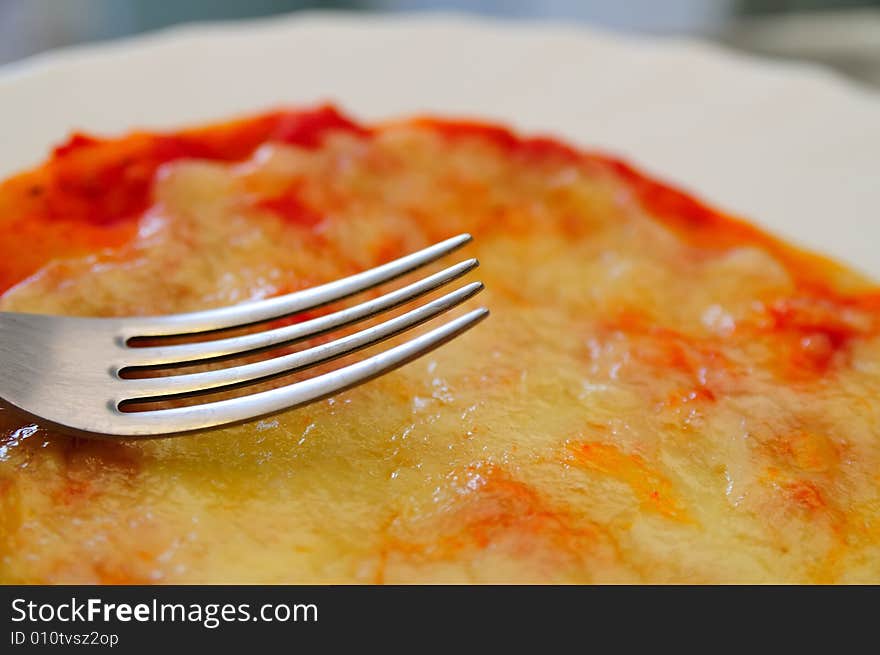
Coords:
pixel 662 394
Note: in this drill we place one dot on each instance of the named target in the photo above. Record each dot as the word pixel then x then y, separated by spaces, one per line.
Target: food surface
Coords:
pixel 662 393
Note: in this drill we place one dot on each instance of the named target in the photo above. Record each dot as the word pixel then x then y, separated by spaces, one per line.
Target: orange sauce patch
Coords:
pixel 495 510
pixel 651 488
pixel 700 362
pixel 809 452
pixel 290 206
pixel 811 500
pixel 818 331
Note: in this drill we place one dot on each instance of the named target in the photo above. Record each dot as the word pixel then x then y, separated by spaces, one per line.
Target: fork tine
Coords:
pixel 271 308
pixel 143 389
pixel 191 352
pixel 221 412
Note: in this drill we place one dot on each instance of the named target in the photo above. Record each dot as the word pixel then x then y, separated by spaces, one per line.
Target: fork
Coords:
pixel 72 371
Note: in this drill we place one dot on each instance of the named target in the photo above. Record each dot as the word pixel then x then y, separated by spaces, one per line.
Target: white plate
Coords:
pixel 790 147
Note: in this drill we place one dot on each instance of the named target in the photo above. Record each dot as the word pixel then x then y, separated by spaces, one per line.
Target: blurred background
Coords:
pixel 842 34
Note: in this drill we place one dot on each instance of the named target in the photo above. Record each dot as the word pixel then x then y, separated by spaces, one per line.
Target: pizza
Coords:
pixel 663 393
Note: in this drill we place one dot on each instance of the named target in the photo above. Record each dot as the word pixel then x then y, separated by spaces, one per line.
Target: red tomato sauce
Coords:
pixel 88 194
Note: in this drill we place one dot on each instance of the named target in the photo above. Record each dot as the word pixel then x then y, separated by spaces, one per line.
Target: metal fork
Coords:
pixel 69 371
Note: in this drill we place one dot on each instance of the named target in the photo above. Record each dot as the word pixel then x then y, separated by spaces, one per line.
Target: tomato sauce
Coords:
pixel 87 196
